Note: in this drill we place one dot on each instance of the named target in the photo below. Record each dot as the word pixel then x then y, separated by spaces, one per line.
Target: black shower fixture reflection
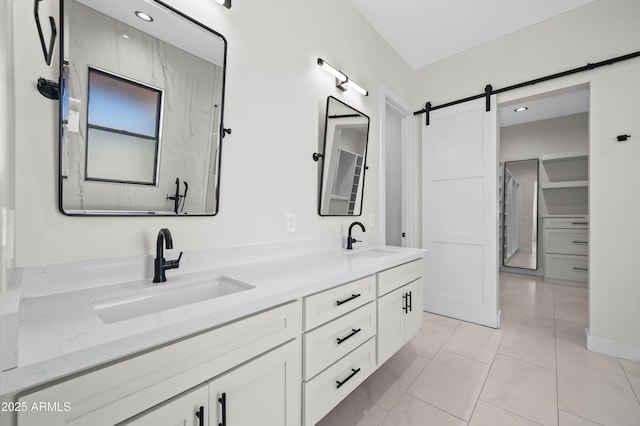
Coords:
pixel 177 198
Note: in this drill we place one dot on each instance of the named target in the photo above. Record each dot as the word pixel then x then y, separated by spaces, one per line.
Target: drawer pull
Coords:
pixel 580 269
pixel 405 302
pixel 353 373
pixel 353 296
pixel 410 302
pixel 200 415
pixel 581 242
pixel 579 223
pixel 223 401
pixel 350 335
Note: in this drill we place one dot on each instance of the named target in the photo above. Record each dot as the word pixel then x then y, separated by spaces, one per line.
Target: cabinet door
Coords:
pixel 265 391
pixel 391 319
pixel 414 318
pixel 188 409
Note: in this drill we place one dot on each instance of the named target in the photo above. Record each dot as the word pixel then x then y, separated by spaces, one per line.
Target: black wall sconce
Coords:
pixel 47 88
pixel 343 82
pixel 225 3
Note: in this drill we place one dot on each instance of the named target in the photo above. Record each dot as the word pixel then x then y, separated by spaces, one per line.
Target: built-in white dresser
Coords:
pixel 566 243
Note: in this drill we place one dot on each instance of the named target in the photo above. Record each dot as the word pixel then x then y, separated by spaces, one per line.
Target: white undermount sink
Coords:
pixel 372 253
pixel 133 300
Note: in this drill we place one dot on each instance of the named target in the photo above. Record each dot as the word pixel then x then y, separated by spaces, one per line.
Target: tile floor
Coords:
pixel 534 370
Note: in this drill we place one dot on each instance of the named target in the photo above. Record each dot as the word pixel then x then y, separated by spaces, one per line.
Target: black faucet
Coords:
pixel 350 240
pixel 159 264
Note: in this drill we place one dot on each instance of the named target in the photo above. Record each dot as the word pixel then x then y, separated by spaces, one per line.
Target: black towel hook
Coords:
pixel 48 54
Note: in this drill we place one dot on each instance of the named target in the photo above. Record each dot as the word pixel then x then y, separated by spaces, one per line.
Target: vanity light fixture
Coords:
pixel 144 16
pixel 225 3
pixel 343 82
pixel 521 109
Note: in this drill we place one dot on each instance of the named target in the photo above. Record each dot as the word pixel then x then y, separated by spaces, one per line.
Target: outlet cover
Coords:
pixel 291 222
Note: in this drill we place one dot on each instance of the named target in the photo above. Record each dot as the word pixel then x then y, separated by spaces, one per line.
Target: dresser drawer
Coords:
pixel 327 344
pixel 331 386
pixel 396 277
pixel 323 307
pixel 566 223
pixel 567 267
pixel 567 241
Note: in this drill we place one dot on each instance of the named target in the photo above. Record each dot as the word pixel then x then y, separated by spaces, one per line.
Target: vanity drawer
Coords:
pixel 566 222
pixel 327 344
pixel 323 307
pixel 567 241
pixel 393 278
pixel 567 267
pixel 331 386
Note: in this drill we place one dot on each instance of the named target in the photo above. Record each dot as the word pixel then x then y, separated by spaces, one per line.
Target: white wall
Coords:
pixel 598 31
pixel 7 151
pixel 555 135
pixel 275 97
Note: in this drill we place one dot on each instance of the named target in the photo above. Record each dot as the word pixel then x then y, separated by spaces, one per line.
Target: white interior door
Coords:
pixel 460 212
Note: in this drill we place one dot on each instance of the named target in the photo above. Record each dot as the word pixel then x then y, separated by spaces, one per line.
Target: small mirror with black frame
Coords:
pixel 344 159
pixel 520 210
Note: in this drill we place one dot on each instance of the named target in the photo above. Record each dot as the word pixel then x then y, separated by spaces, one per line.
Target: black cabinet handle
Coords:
pixel 353 373
pixel 405 303
pixel 353 333
pixel 579 223
pixel 580 242
pixel 353 296
pixel 580 269
pixel 410 302
pixel 200 415
pixel 223 401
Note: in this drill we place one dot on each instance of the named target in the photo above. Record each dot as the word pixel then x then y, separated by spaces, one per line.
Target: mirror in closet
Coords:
pixel 344 160
pixel 141 110
pixel 520 214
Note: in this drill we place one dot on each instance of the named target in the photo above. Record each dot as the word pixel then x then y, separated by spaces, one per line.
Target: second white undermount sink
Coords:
pixel 373 253
pixel 142 298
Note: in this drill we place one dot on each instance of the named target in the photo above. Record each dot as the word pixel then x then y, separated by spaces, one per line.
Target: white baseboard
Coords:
pixel 613 347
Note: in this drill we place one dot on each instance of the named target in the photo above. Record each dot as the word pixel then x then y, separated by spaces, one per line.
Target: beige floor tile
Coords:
pixel 632 370
pixel 596 395
pixel 354 411
pixel 568 419
pixel 442 320
pixel 486 414
pixel 475 341
pixel 387 385
pixel 573 307
pixel 431 338
pixel 452 383
pixel 571 331
pixel 578 354
pixel 522 388
pixel 410 411
pixel 537 348
pixel 524 321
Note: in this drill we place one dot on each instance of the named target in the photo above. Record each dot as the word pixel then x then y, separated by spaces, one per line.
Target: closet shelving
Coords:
pixel 564 181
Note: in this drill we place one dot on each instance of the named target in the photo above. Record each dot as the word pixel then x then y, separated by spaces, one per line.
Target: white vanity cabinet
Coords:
pixel 399 307
pixel 161 379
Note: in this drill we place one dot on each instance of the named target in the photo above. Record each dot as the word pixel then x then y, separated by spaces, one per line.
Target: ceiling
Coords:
pixel 542 107
pixel 426 31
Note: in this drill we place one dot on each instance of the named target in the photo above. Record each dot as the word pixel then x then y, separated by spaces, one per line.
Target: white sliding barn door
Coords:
pixel 459 212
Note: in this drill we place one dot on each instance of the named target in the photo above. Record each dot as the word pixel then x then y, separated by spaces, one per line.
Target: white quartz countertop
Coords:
pixel 60 333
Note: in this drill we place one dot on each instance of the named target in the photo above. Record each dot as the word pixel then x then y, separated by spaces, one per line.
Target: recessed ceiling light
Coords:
pixel 144 16
pixel 125 36
pixel 521 109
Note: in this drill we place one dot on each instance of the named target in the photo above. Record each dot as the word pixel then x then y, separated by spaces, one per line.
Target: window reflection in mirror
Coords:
pixel 344 160
pixel 520 213
pixel 142 109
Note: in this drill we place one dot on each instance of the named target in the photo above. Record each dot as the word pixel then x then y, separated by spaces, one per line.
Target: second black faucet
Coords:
pixel 351 240
pixel 159 264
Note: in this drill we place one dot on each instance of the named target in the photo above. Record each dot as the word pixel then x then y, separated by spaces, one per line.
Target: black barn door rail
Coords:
pixel 488 90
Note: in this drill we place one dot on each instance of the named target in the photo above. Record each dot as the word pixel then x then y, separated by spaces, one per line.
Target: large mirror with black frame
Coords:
pixel 520 209
pixel 141 117
pixel 344 159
